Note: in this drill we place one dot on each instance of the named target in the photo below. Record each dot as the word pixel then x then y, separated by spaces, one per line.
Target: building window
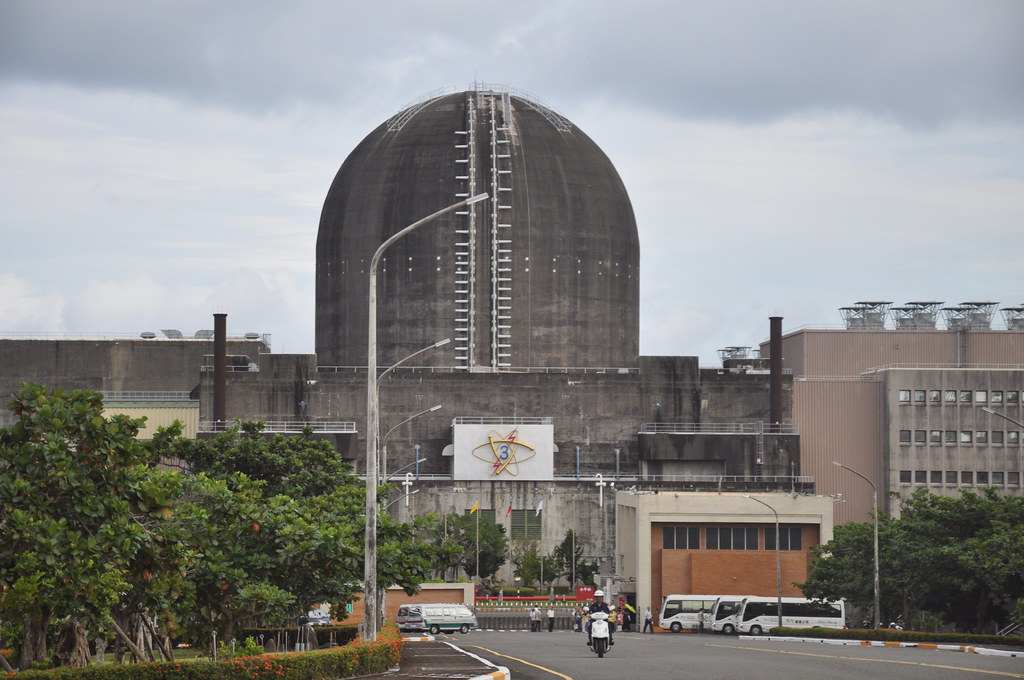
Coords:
pixel 1012 479
pixel 965 396
pixel 904 476
pixel 918 396
pixel 981 396
pixel 951 436
pixel 904 436
pixel 681 538
pixel 997 479
pixel 904 396
pixel 997 396
pixel 951 476
pixel 950 396
pixel 997 436
pixel 982 477
pixel 935 477
pixel 935 396
pixel 1012 437
pixel 732 538
pixel 790 538
pixel 526 524
pixel 920 436
pixel 935 436
pixel 920 476
pixel 965 436
pixel 967 478
pixel 1013 397
pixel 981 437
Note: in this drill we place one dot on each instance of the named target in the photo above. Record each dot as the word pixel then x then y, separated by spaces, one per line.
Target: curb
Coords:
pixel 966 649
pixel 499 672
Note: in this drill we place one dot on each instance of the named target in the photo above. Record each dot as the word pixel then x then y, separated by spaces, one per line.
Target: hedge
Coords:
pixel 354 659
pixel 890 635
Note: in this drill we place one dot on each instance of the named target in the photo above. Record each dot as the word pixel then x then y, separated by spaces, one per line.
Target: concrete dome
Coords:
pixel 545 274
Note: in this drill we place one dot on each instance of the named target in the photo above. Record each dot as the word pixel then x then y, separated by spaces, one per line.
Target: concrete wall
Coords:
pixel 109 365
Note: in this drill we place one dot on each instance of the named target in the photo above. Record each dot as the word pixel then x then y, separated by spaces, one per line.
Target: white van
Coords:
pixel 726 614
pixel 680 612
pixel 758 614
pixel 435 618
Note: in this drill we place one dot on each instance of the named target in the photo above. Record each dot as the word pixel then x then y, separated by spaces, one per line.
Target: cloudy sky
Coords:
pixel 164 160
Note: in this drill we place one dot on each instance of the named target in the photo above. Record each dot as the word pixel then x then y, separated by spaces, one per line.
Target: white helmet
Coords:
pixel 598 593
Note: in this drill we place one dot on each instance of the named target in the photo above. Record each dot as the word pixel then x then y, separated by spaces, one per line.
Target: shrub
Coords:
pixel 889 635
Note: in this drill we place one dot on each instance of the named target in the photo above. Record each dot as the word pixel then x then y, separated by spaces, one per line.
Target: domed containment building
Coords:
pixel 544 274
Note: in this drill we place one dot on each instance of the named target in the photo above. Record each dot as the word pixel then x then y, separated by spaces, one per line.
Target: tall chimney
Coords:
pixel 220 368
pixel 775 372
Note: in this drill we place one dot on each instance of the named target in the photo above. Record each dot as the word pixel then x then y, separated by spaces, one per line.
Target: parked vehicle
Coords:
pixel 758 614
pixel 680 612
pixel 435 618
pixel 726 614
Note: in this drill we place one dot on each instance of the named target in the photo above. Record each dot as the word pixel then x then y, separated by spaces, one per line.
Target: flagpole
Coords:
pixel 478 545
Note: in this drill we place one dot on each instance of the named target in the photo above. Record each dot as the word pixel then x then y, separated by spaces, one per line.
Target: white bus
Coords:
pixel 758 614
pixel 726 614
pixel 683 611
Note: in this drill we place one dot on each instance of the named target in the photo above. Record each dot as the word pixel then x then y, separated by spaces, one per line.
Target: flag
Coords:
pixel 475 506
pixel 540 506
pixel 509 511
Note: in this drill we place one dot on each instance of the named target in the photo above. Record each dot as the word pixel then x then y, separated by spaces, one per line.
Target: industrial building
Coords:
pixel 510 376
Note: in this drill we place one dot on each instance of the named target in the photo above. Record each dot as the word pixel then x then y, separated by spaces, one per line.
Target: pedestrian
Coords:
pixel 648 620
pixel 535 620
pixel 577 620
pixel 551 619
pixel 701 618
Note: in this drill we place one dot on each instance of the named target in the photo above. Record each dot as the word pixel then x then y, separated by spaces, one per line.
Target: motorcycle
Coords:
pixel 599 633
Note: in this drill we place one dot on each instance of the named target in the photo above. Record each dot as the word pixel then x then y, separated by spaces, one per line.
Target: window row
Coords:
pixel 962 477
pixel 959 396
pixel 1011 437
pixel 731 538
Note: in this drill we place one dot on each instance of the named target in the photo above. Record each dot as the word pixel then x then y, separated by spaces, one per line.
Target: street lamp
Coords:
pixel 372 417
pixel 1003 416
pixel 874 502
pixel 778 555
pixel 384 439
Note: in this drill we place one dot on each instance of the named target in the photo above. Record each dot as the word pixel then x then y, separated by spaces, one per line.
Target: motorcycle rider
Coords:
pixel 599 605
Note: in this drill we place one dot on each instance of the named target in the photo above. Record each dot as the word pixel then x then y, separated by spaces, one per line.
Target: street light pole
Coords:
pixel 874 503
pixel 778 555
pixel 372 419
pixel 1003 416
pixel 384 440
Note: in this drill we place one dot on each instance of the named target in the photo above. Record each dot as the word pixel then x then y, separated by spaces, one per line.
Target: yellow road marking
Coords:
pixel 546 670
pixel 855 658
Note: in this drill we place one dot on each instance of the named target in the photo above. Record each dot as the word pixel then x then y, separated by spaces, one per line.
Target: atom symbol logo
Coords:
pixel 504 454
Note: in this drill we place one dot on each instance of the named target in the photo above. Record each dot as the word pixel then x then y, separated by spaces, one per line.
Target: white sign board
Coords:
pixel 504 452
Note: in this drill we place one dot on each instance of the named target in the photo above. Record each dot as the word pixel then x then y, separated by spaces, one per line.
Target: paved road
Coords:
pixel 563 654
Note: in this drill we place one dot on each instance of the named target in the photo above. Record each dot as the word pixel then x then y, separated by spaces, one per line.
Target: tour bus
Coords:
pixel 435 618
pixel 726 614
pixel 683 611
pixel 758 614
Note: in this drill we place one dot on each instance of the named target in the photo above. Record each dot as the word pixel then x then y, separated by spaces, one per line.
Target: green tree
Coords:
pixel 478 537
pixel 79 500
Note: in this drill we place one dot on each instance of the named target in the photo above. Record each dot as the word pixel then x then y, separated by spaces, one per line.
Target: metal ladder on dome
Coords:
pixel 501 231
pixel 465 243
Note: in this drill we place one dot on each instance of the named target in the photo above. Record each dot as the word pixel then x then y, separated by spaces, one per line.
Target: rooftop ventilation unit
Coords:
pixel 1014 317
pixel 915 316
pixel 868 315
pixel 727 353
pixel 172 334
pixel 970 316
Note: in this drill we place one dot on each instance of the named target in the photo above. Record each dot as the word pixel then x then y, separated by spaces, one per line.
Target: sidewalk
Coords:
pixel 428 659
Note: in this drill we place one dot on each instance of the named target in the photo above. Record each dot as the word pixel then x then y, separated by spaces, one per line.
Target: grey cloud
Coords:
pixel 917 61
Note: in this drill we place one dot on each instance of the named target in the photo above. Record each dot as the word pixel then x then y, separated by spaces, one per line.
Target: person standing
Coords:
pixel 702 618
pixel 648 621
pixel 535 620
pixel 551 619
